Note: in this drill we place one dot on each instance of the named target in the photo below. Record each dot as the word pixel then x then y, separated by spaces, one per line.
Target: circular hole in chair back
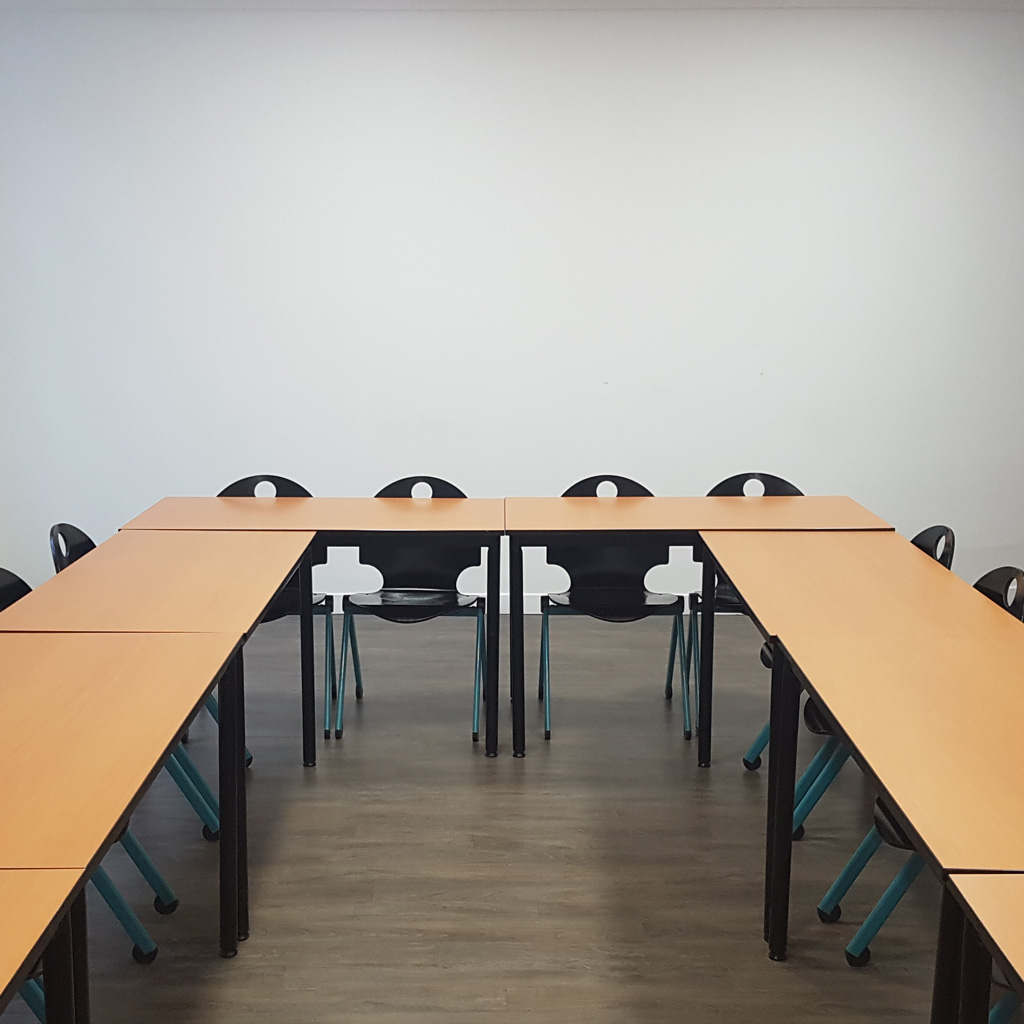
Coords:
pixel 422 490
pixel 753 488
pixel 607 489
pixel 1011 592
pixel 265 489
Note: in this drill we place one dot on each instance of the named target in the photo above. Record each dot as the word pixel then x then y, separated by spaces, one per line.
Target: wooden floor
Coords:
pixel 605 878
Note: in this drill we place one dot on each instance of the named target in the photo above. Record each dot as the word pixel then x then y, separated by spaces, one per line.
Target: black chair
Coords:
pixel 607 582
pixel 67 544
pixel 420 583
pixel 727 601
pixel 288 600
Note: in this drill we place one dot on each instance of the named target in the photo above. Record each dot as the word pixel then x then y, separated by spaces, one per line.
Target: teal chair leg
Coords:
pixel 1003 1011
pixel 165 901
pixel 670 671
pixel 144 950
pixel 829 909
pixel 32 993
pixel 330 674
pixel 207 815
pixel 752 758
pixel 478 673
pixel 339 715
pixel 816 790
pixel 213 707
pixel 857 952
pixel 684 673
pixel 814 769
pixel 545 640
pixel 357 665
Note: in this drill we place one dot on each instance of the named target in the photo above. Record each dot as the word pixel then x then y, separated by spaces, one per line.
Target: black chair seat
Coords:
pixel 888 827
pixel 815 720
pixel 411 604
pixel 617 604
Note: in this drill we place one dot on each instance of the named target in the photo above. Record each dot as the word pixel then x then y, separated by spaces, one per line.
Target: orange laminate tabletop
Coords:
pixel 87 717
pixel 163 581
pixel 813 512
pixel 997 901
pixel 356 515
pixel 922 672
pixel 30 901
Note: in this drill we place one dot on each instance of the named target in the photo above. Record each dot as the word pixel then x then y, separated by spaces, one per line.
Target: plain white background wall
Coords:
pixel 511 249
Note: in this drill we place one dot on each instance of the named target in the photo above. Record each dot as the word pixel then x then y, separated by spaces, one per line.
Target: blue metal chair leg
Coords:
pixel 813 770
pixel 330 678
pixel 32 993
pixel 144 951
pixel 752 758
pixel 670 671
pixel 165 901
pixel 357 665
pixel 192 770
pixel 1003 1011
pixel 684 673
pixel 339 715
pixel 546 649
pixel 816 790
pixel 211 824
pixel 857 952
pixel 478 673
pixel 213 707
pixel 829 909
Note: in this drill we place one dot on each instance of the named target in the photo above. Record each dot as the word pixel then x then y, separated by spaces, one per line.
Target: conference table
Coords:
pixel 889 644
pixel 537 522
pixel 982 918
pixel 97 714
pixel 347 522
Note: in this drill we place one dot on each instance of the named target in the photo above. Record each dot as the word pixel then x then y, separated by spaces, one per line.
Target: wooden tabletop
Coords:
pixel 163 581
pixel 813 512
pixel 30 900
pixel 358 515
pixel 997 901
pixel 922 672
pixel 87 717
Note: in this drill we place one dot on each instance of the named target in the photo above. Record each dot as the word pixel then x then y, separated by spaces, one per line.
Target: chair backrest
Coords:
pixel 12 588
pixel 774 486
pixel 1005 586
pixel 67 544
pixel 938 543
pixel 283 487
pixel 403 488
pixel 607 566
pixel 624 487
pixel 419 563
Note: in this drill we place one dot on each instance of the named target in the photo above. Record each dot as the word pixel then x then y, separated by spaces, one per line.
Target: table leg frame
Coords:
pixel 517 652
pixel 493 625
pixel 306 659
pixel 707 658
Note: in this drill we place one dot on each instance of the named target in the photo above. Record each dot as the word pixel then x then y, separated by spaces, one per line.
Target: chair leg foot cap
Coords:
pixel 547 734
pixel 687 734
pixel 143 958
pixel 798 833
pixel 476 737
pixel 830 916
pixel 752 766
pixel 164 908
pixel 211 835
pixel 327 734
pixel 858 959
pixel 337 734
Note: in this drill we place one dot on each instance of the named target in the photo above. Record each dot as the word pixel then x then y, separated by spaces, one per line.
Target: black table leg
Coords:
pixel 517 646
pixel 80 957
pixel 306 659
pixel 243 829
pixel 948 961
pixel 781 784
pixel 975 978
pixel 493 613
pixel 59 975
pixel 707 659
pixel 230 758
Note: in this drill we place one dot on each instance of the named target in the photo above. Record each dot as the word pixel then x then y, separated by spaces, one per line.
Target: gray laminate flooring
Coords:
pixel 604 879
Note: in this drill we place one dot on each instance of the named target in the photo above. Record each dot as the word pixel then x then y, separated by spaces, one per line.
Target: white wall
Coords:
pixel 512 249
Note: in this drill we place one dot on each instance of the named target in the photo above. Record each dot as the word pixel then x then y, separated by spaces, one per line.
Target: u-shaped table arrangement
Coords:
pixel 142 630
